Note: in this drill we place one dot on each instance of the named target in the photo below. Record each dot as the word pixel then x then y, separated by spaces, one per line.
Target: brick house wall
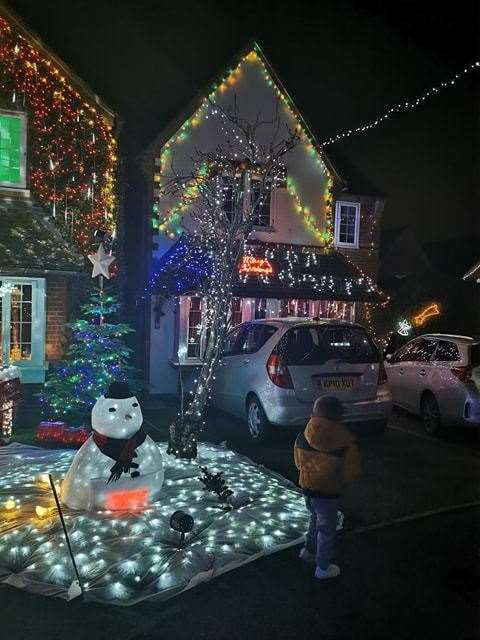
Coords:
pixel 366 257
pixel 57 316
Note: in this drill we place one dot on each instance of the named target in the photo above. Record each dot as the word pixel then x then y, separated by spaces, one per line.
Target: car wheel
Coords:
pixel 432 422
pixel 258 425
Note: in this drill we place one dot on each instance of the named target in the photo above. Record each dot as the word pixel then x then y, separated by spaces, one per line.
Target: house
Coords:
pixel 57 185
pixel 312 252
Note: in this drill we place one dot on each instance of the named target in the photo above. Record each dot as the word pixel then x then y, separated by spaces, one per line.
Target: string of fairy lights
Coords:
pixel 170 221
pixel 71 149
pixel 404 105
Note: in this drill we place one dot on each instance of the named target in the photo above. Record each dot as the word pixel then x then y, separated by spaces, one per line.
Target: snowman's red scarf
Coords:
pixel 121 450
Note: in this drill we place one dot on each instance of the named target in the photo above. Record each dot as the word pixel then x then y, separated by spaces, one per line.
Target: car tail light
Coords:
pixel 278 372
pixel 382 374
pixel 464 374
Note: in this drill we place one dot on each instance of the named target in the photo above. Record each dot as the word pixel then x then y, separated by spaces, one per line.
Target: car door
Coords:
pixel 397 370
pixel 418 372
pixel 223 374
pixel 245 370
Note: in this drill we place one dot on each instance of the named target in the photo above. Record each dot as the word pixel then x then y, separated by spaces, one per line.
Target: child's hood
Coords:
pixel 325 435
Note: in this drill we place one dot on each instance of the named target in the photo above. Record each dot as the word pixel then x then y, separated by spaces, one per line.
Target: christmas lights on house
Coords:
pixel 73 152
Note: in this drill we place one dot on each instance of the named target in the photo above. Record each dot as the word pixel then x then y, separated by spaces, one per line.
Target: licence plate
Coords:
pixel 337 383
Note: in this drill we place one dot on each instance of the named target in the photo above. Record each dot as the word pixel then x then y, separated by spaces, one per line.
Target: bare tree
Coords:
pixel 222 193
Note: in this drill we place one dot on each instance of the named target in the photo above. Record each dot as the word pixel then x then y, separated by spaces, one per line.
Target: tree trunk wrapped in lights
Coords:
pixel 221 206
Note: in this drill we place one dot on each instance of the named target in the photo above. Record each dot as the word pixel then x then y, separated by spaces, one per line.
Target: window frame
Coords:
pixel 338 211
pixel 32 370
pixel 262 227
pixel 23 151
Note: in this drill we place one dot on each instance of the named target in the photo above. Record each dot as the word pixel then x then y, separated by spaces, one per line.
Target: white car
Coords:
pixel 272 371
pixel 437 376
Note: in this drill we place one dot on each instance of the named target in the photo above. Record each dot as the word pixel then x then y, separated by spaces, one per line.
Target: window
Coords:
pixel 317 344
pixel 417 351
pixel 447 352
pixel 194 331
pixel 232 341
pixel 22 326
pixel 12 149
pixel 261 198
pixel 347 223
pixel 260 308
pixel 236 312
pixel 229 193
pixel 254 337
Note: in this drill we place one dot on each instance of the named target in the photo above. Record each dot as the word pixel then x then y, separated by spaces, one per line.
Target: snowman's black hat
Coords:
pixel 119 391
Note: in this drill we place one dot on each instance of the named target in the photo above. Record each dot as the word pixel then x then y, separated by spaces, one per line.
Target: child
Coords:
pixel 327 457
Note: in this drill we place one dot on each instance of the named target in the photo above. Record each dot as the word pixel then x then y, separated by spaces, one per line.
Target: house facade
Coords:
pixel 57 185
pixel 313 250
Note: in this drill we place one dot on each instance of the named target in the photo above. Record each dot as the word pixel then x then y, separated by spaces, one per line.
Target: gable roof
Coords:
pixel 197 102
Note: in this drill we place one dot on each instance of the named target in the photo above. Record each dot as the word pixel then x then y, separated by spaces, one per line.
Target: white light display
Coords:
pixel 126 557
pixel 85 486
pixel 404 328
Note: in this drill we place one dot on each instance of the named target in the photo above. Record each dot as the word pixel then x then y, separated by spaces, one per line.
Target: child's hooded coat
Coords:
pixel 327 457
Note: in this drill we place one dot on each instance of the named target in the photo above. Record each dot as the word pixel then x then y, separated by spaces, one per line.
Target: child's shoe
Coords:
pixel 307 556
pixel 332 571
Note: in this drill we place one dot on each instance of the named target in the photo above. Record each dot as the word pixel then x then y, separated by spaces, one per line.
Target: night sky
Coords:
pixel 342 61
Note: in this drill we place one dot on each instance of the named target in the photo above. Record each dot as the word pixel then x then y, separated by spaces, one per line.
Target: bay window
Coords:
pixel 22 326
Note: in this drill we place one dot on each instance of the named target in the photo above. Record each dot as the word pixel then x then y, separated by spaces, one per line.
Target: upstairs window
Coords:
pixel 347 224
pixel 261 199
pixel 228 196
pixel 12 149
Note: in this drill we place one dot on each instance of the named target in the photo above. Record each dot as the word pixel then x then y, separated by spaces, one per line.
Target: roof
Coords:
pixel 291 320
pixel 196 103
pixel 29 241
pixel 466 339
pixel 75 80
pixel 278 271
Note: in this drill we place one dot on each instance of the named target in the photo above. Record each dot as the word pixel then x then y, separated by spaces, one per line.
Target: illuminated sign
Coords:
pixel 429 311
pixel 250 265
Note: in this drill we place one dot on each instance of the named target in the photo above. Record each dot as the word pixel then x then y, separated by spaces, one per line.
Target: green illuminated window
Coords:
pixel 12 149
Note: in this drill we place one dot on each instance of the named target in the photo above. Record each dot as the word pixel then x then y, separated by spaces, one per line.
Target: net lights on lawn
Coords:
pixel 73 152
pixel 125 557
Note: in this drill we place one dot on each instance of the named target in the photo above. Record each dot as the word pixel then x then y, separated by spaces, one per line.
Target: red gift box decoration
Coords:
pixel 48 431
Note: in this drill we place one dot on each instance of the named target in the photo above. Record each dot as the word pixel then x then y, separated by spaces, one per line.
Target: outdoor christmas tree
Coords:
pixel 96 356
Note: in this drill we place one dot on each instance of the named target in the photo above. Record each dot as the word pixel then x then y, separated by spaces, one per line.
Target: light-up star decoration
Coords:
pixel 101 262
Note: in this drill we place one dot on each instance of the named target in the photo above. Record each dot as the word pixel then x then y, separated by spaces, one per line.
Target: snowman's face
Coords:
pixel 117 418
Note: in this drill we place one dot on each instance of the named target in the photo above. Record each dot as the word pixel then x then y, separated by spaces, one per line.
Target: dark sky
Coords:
pixel 342 61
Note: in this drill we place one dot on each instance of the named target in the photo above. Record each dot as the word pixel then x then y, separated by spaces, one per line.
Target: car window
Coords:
pixel 475 354
pixel 232 341
pixel 418 351
pixel 447 351
pixel 316 344
pixel 254 337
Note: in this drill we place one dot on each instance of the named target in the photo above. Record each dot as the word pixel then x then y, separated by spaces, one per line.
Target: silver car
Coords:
pixel 437 376
pixel 272 370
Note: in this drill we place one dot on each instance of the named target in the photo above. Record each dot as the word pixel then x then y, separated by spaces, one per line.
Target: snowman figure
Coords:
pixel 119 467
